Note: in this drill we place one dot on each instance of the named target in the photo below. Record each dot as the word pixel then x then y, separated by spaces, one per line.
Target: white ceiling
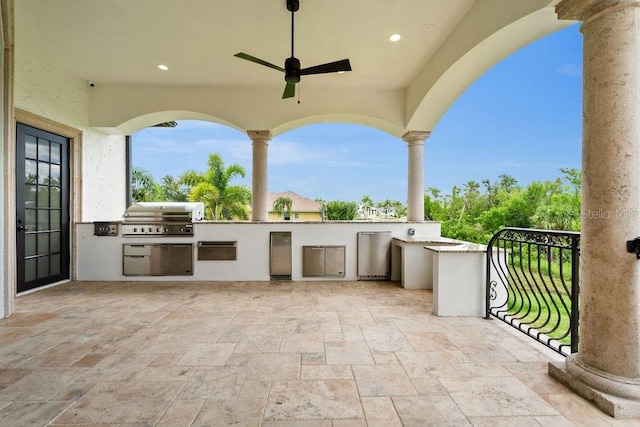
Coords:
pixel 121 42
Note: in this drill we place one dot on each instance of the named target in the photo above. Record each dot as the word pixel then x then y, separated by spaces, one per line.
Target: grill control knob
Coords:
pixel 135 229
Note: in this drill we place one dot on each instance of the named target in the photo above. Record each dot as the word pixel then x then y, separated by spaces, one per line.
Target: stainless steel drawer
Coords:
pixel 137 250
pixel 217 251
pixel 136 265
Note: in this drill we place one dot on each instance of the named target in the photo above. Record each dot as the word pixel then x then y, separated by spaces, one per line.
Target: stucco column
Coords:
pixel 415 181
pixel 259 208
pixel 607 367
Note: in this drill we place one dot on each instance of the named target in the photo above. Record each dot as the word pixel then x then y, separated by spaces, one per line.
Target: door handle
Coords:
pixel 22 228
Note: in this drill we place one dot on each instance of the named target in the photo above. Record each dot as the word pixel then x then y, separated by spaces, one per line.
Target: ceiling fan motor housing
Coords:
pixel 292 70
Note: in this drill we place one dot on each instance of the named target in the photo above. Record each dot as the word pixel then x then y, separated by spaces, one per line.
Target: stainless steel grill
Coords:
pixel 162 218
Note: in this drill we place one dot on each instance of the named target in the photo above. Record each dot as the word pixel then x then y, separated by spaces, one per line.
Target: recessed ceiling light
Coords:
pixel 163 67
pixel 395 37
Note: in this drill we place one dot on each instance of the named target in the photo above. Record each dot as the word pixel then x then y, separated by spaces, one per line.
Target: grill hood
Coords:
pixel 144 212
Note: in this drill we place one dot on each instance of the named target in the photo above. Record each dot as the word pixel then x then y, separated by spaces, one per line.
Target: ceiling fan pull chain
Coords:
pixel 299 87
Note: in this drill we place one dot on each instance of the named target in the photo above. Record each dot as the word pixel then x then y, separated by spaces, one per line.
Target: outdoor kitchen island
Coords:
pixel 454 269
pixel 100 257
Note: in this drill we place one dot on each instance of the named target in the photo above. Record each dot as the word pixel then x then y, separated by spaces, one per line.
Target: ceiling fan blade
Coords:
pixel 330 67
pixel 289 91
pixel 243 55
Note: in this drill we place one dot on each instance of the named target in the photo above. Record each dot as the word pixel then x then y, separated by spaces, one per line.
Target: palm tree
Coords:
pixel 143 187
pixel 222 201
pixel 367 205
pixel 171 190
pixel 386 206
pixel 283 205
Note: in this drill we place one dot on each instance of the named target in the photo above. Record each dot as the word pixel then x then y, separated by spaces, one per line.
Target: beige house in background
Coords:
pixel 302 208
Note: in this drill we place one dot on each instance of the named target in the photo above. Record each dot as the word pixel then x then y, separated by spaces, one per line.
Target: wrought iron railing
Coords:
pixel 533 284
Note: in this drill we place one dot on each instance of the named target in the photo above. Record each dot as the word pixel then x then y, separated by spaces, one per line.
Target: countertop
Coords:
pixel 443 244
pixel 429 240
pixel 466 247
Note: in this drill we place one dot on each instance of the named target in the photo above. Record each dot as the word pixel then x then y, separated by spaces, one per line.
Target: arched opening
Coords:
pixel 321 162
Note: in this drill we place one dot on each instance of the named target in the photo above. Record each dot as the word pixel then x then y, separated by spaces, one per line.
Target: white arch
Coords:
pixel 459 63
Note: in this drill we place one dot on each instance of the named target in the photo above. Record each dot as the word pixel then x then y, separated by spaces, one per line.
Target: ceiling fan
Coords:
pixel 292 70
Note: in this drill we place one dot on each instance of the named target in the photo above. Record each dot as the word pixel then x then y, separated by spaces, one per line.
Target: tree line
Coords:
pixel 473 212
pixel 225 201
pixel 476 211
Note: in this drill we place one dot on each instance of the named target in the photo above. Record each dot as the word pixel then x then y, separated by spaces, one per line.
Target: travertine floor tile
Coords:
pixel 309 342
pixel 259 339
pixel 117 367
pixel 246 412
pixel 383 380
pixel 120 403
pixel 515 421
pixel 274 366
pixel 206 354
pixel 31 414
pixel 180 413
pixel 427 364
pixel 379 411
pixel 348 353
pixel 432 410
pixel 221 382
pixel 333 372
pixel 385 337
pixel 313 400
pixel 40 385
pixel 496 397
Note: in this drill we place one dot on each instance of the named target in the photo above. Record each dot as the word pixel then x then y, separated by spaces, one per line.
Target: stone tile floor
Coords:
pixel 270 354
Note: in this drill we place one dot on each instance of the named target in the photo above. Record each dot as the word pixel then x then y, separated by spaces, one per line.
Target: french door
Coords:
pixel 42 208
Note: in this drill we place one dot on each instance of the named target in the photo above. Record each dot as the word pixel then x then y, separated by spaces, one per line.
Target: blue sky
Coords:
pixel 523 118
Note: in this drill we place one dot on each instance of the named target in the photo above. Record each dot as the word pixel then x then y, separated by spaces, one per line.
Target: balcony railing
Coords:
pixel 533 284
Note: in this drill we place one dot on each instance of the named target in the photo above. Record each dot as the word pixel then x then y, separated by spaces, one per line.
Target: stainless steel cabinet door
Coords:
pixel 312 261
pixel 180 260
pixel 334 261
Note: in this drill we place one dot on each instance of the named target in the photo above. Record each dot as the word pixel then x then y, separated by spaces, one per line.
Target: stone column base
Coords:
pixel 617 407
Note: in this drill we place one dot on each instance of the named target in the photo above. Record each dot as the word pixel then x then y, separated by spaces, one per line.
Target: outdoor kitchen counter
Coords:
pixel 101 257
pixel 458 277
pixel 410 265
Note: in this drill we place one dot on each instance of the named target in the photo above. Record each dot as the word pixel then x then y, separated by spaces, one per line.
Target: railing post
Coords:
pixel 575 292
pixel 487 290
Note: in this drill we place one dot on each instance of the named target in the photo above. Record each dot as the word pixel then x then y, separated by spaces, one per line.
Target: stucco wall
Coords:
pixel 54 93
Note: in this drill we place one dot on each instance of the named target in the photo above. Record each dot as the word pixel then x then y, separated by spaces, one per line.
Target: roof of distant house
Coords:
pixel 298 203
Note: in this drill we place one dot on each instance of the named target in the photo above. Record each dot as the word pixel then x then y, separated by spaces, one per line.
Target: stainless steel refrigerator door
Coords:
pixel 280 255
pixel 374 254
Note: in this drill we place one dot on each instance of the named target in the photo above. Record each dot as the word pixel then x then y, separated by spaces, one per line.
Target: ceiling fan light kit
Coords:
pixel 292 69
